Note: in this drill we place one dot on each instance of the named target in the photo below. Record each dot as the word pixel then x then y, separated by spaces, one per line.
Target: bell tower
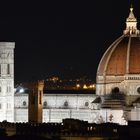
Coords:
pixel 35 102
pixel 7 81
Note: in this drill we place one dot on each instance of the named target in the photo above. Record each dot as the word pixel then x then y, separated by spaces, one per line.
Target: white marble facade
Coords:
pixel 7 81
pixel 14 106
pixel 59 106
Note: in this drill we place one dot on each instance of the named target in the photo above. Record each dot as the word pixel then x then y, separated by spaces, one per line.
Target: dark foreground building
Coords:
pixel 70 129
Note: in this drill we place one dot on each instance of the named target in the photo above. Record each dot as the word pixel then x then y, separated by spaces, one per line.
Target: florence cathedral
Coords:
pixel 117 97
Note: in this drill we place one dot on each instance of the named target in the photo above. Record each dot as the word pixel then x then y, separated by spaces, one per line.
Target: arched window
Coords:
pixel 66 104
pixel 115 90
pixel 45 104
pixel 24 103
pixel 86 104
pixel 138 90
pixel 0 69
pixel 8 89
pixel 0 89
pixel 40 97
pixel 8 68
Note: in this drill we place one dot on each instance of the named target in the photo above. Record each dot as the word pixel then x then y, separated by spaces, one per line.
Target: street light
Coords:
pixel 21 90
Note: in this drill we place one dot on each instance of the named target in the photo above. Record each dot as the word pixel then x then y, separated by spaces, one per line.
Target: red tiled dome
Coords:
pixel 122 57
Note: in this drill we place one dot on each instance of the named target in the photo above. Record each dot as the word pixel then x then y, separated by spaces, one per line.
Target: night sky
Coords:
pixel 62 39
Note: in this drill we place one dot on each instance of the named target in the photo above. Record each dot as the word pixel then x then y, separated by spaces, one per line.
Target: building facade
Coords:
pixel 59 106
pixel 7 81
pixel 119 68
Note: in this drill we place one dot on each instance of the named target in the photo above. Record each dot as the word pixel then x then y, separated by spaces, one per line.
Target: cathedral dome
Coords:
pixel 120 64
pixel 122 57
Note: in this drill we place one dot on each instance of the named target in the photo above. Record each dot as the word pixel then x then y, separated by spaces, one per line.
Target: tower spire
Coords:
pixel 131 23
pixel 131 6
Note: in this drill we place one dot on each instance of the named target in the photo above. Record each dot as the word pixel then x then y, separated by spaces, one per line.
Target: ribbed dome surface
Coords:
pixel 122 57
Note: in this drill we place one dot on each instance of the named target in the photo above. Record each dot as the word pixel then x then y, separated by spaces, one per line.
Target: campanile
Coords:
pixel 7 81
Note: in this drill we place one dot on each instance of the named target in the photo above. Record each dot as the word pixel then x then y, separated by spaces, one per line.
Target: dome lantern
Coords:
pixel 131 24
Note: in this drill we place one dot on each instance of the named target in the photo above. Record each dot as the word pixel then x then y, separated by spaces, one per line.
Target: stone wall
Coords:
pixel 58 106
pixel 57 115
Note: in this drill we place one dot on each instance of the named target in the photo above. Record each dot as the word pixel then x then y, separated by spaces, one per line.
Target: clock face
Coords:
pixel 138 90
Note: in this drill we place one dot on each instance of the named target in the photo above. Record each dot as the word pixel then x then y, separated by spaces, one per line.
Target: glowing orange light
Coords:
pixel 78 85
pixel 84 87
pixel 92 86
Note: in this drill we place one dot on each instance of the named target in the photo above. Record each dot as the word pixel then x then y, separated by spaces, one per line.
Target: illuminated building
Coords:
pixel 119 69
pixel 120 66
pixel 118 75
pixel 7 81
